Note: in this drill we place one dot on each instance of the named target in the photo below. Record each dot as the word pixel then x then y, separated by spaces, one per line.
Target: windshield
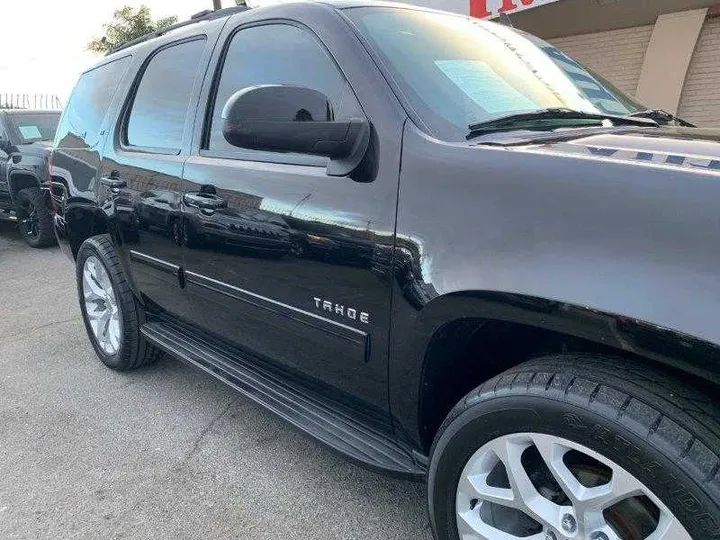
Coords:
pixel 35 127
pixel 456 71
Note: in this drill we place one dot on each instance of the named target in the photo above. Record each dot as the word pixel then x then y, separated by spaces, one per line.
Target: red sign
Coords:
pixel 486 9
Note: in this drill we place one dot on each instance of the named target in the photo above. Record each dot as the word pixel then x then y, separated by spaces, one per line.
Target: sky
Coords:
pixel 44 42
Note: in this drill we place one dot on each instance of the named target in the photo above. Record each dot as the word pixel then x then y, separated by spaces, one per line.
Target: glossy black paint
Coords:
pixel 344 283
pixel 293 119
pixel 608 237
pixel 305 222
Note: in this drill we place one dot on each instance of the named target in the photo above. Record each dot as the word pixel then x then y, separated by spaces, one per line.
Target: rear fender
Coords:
pixel 83 219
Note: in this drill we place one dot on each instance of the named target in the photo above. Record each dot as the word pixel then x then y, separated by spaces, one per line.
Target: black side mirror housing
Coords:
pixel 282 118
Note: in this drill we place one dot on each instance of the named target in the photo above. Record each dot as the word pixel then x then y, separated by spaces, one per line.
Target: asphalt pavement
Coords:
pixel 164 452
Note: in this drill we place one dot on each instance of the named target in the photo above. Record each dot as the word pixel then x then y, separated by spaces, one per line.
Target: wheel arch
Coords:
pixel 469 337
pixel 21 179
pixel 83 219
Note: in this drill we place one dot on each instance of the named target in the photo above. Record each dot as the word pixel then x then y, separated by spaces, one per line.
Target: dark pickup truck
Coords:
pixel 25 143
pixel 438 245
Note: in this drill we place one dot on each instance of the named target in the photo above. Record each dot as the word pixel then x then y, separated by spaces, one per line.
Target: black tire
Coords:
pixel 134 351
pixel 663 431
pixel 34 218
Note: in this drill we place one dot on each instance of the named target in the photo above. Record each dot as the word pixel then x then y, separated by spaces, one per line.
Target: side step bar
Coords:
pixel 322 420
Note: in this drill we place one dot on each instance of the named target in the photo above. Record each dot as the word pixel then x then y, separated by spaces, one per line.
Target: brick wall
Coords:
pixel 618 55
pixel 700 102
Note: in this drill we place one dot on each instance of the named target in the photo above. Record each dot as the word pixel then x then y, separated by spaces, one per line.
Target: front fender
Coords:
pixel 417 334
pixel 21 178
pixel 623 238
pixel 623 254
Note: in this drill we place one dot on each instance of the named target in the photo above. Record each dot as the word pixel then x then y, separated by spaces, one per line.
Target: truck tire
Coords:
pixel 582 447
pixel 34 218
pixel 111 313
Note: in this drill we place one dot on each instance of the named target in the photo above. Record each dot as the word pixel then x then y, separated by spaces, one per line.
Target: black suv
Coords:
pixel 25 144
pixel 438 245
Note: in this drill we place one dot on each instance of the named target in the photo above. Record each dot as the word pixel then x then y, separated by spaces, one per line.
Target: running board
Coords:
pixel 309 412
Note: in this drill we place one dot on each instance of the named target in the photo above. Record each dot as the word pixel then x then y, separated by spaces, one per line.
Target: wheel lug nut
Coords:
pixel 599 536
pixel 569 524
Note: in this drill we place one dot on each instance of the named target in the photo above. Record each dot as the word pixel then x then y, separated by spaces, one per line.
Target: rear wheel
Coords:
pixel 578 448
pixel 111 312
pixel 34 218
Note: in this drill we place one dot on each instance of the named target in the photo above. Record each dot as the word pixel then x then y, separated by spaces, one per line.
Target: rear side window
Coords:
pixel 161 104
pixel 88 104
pixel 277 54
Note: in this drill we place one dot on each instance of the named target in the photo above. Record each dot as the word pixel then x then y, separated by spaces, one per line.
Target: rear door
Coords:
pixel 143 162
pixel 291 263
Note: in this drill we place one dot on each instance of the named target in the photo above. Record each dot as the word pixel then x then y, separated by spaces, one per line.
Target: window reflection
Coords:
pixel 83 115
pixel 457 71
pixel 259 56
pixel 157 118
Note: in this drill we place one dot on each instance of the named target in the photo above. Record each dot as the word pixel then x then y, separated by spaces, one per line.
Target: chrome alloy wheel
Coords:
pixel 101 307
pixel 540 487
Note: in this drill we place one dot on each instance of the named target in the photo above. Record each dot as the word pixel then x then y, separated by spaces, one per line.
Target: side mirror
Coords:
pixel 294 119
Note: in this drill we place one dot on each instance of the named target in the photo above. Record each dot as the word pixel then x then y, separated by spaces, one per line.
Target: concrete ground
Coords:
pixel 163 452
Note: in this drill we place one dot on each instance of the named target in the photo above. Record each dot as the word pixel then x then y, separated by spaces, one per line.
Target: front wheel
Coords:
pixel 578 448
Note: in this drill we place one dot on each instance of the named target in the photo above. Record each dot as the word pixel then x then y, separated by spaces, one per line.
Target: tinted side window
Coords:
pixel 278 54
pixel 89 102
pixel 157 117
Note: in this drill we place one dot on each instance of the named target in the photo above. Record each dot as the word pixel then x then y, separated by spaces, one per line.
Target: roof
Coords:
pixel 206 15
pixel 209 15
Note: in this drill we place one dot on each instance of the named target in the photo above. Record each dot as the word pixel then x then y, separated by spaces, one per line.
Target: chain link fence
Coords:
pixel 30 101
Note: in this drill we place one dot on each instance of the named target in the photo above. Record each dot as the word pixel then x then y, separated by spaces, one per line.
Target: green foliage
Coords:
pixel 128 24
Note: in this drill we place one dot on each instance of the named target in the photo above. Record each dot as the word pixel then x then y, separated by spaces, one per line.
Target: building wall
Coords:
pixel 617 55
pixel 700 102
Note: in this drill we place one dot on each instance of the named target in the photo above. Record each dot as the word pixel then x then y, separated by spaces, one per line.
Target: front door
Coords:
pixel 142 168
pixel 282 259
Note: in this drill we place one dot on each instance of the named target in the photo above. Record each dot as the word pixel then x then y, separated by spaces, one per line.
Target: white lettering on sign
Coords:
pixel 488 9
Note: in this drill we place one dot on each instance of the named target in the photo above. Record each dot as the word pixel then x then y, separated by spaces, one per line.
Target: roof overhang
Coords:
pixel 572 17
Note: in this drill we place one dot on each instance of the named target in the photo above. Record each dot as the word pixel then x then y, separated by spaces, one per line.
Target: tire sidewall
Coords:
pixel 46 234
pixel 24 196
pixel 117 360
pixel 500 416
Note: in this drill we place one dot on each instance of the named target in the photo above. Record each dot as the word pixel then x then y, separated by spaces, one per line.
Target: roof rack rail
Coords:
pixel 206 15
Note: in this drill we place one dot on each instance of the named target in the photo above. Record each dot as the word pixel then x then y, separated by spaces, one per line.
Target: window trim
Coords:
pixel 281 158
pixel 122 139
